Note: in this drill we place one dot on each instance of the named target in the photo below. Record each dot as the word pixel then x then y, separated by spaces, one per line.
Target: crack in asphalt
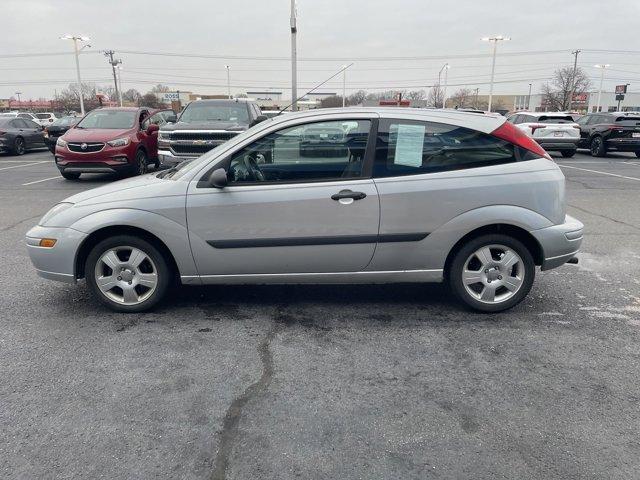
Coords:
pixel 13 225
pixel 234 412
pixel 605 217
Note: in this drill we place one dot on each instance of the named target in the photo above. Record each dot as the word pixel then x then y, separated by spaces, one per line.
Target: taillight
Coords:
pixel 535 127
pixel 514 135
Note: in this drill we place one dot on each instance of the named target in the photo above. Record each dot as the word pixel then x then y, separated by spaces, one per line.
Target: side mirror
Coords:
pixel 218 178
pixel 152 128
pixel 259 118
pixel 172 118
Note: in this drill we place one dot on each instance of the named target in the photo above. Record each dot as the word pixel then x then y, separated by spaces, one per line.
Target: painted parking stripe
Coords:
pixel 601 173
pixel 26 165
pixel 43 180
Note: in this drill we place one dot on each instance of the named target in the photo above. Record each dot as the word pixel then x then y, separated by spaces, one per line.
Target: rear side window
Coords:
pixel 406 147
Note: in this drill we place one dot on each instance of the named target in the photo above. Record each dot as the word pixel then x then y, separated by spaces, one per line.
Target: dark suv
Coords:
pixel 616 131
pixel 202 126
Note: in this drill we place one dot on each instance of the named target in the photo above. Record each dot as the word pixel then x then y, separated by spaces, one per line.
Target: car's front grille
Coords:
pixel 185 149
pixel 88 147
pixel 224 136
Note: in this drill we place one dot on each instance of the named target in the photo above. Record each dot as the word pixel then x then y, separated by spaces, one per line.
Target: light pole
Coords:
pixel 294 58
pixel 495 39
pixel 601 66
pixel 446 68
pixel 18 94
pixel 76 39
pixel 228 67
pixel 529 98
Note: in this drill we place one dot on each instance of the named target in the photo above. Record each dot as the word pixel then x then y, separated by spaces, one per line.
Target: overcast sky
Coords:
pixel 366 32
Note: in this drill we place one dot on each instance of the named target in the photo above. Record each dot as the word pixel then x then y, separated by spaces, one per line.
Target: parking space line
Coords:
pixel 20 161
pixel 27 165
pixel 43 180
pixel 601 173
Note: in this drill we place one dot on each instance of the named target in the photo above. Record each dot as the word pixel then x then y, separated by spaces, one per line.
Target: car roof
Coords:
pixel 223 101
pixel 543 114
pixel 485 123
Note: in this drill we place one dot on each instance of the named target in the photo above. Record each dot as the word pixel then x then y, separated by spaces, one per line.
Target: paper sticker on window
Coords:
pixel 409 144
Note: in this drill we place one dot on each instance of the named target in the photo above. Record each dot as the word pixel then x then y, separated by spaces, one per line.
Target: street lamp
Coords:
pixel 446 68
pixel 18 94
pixel 119 69
pixel 76 39
pixel 495 39
pixel 529 98
pixel 228 81
pixel 603 67
pixel 344 84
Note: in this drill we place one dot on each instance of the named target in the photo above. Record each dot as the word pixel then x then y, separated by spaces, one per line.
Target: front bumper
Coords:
pixel 558 143
pixel 169 159
pixel 107 160
pixel 560 243
pixel 58 262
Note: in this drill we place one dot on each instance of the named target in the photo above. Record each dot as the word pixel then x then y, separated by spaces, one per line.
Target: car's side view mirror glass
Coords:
pixel 218 178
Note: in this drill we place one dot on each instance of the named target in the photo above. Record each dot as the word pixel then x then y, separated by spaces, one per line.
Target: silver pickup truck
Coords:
pixel 202 126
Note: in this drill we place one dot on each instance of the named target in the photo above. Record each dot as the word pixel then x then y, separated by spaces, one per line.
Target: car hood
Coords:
pixel 204 126
pixel 94 134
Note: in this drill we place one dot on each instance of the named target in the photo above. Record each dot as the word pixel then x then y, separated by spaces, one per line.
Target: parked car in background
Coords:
pixel 437 195
pixel 120 140
pixel 202 126
pixel 26 115
pixel 604 132
pixel 57 129
pixel 46 118
pixel 17 135
pixel 553 131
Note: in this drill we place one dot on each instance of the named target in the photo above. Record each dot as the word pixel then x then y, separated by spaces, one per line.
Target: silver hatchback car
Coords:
pixel 327 196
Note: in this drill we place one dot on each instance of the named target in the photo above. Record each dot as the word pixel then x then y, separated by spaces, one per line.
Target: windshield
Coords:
pixel 4 121
pixel 65 122
pixel 197 112
pixel 109 119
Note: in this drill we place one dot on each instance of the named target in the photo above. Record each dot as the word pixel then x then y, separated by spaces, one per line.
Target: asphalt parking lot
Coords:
pixel 348 382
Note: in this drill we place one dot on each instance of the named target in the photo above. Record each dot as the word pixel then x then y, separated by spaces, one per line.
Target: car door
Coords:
pixel 158 118
pixel 583 123
pixel 36 133
pixel 284 213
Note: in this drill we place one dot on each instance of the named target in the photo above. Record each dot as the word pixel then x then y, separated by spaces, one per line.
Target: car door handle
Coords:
pixel 344 194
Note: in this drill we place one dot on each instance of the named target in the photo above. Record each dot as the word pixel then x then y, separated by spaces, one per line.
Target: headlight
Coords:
pixel 59 208
pixel 61 143
pixel 164 135
pixel 120 142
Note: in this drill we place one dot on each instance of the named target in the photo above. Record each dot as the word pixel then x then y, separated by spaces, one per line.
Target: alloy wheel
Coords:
pixel 595 146
pixel 493 274
pixel 19 146
pixel 126 275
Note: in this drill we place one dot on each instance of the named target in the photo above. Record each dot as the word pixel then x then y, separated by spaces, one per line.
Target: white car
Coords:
pixel 45 118
pixel 27 115
pixel 552 130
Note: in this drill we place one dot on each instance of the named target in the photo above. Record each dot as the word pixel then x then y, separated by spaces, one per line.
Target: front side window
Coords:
pixel 320 151
pixel 109 119
pixel 406 147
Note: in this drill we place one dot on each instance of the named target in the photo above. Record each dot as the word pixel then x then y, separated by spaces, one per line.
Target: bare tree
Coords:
pixel 435 97
pixel 160 88
pixel 357 98
pixel 132 96
pixel 557 94
pixel 151 100
pixel 415 95
pixel 462 98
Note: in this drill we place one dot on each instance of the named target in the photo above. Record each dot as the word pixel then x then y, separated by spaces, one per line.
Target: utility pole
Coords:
pixel 294 59
pixel 228 67
pixel 573 78
pixel 444 92
pixel 495 39
pixel 476 99
pixel 114 64
pixel 119 67
pixel 529 98
pixel 344 84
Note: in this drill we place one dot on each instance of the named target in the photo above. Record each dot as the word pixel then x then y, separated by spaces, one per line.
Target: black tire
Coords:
pixel 597 147
pixel 637 154
pixel 164 274
pixel 455 272
pixel 141 166
pixel 70 175
pixel 19 146
pixel 568 153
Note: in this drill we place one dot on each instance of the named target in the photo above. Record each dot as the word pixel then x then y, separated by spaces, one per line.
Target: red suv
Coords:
pixel 111 140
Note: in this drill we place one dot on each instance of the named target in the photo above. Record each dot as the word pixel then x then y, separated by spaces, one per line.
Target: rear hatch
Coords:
pixel 626 127
pixel 555 126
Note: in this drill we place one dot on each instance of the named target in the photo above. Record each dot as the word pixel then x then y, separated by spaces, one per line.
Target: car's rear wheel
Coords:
pixel 127 273
pixel 568 153
pixel 492 273
pixel 637 154
pixel 70 175
pixel 141 162
pixel 19 146
pixel 597 147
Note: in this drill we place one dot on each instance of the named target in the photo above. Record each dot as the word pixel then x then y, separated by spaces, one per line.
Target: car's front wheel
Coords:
pixel 597 147
pixel 141 162
pixel 19 146
pixel 127 273
pixel 492 273
pixel 637 154
pixel 568 153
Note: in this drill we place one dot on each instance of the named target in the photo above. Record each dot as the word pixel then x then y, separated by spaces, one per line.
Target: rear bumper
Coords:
pixel 559 143
pixel 560 243
pixel 58 262
pixel 623 144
